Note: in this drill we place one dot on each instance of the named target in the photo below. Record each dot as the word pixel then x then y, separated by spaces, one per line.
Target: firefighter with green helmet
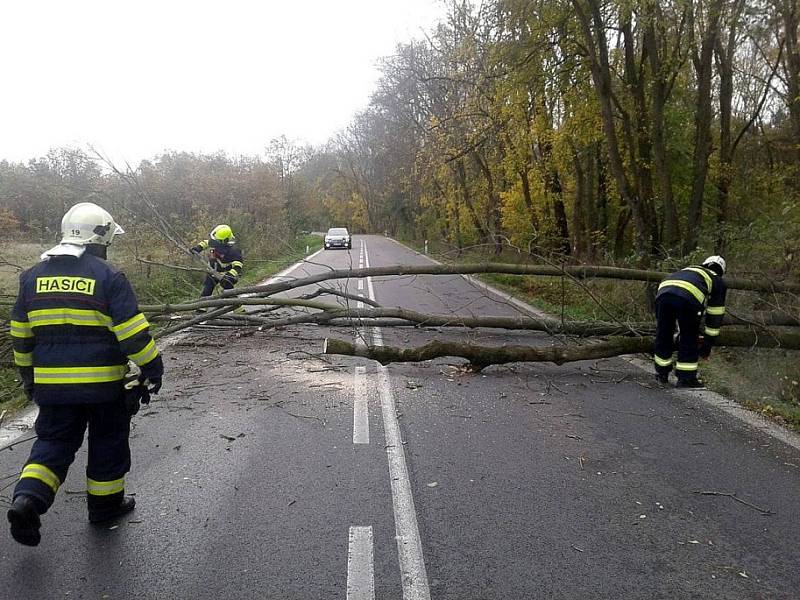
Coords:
pixel 225 259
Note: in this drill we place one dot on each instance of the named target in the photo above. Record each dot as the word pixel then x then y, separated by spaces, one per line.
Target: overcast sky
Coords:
pixel 135 77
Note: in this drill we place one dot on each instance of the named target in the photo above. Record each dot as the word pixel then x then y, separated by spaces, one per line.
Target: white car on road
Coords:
pixel 338 237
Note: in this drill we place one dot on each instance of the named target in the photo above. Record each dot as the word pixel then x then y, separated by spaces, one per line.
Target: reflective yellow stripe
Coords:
pixel 682 366
pixel 78 374
pixel 706 276
pixel 689 287
pixel 23 359
pixel 203 244
pixel 715 310
pixel 21 329
pixel 662 362
pixel 233 272
pixel 145 355
pixel 237 263
pixel 130 327
pixel 42 473
pixel 68 316
pixel 105 488
pixel 711 331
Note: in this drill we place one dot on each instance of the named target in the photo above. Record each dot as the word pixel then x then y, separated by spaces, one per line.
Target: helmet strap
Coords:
pixel 98 250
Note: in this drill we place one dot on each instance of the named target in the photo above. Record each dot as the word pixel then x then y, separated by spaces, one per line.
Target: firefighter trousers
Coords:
pixel 672 309
pixel 60 430
pixel 210 283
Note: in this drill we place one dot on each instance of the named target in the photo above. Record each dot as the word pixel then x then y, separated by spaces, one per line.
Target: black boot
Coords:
pixel 662 378
pixel 690 382
pixel 108 508
pixel 24 518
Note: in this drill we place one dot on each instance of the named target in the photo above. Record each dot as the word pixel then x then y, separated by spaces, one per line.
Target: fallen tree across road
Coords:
pixel 481 357
pixel 576 272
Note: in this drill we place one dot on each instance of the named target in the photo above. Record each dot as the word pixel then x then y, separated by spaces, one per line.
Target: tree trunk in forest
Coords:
pixel 724 55
pixel 494 202
pixel 623 218
pixel 580 218
pixel 602 193
pixel 592 207
pixel 559 212
pixel 790 13
pixel 461 180
pixel 640 149
pixel 659 93
pixel 703 65
pixel 526 196
pixel 594 34
pixel 552 181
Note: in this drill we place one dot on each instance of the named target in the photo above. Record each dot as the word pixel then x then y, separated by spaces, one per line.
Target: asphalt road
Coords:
pixel 267 471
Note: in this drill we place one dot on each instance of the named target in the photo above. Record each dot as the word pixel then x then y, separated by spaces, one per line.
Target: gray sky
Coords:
pixel 135 77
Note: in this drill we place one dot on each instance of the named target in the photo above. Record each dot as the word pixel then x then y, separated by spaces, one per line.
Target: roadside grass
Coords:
pixel 764 380
pixel 153 285
pixel 12 398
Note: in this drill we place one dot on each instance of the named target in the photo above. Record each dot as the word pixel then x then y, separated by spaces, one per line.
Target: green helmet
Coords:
pixel 223 234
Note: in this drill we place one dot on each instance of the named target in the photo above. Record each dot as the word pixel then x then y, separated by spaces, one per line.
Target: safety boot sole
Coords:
pixel 690 385
pixel 25 524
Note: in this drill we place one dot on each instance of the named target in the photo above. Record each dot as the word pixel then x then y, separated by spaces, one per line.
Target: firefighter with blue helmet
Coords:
pixel 74 327
pixel 225 259
pixel 686 297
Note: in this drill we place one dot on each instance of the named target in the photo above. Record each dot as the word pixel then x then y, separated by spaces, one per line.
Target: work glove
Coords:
pixel 152 385
pixel 150 376
pixel 135 394
pixel 704 349
pixel 196 250
pixel 230 280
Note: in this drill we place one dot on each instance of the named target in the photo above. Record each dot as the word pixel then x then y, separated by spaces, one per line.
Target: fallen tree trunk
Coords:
pixel 579 272
pixel 399 316
pixel 483 356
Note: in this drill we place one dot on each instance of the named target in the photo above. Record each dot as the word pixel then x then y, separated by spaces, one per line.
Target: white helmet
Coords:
pixel 715 261
pixel 86 223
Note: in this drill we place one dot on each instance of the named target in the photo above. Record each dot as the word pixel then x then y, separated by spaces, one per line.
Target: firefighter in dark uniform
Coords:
pixel 684 298
pixel 74 327
pixel 225 259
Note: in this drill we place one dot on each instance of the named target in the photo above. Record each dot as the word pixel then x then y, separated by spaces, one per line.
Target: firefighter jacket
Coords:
pixel 75 325
pixel 705 291
pixel 224 258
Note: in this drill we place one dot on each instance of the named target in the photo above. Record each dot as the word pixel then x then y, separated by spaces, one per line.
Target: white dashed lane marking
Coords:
pixel 360 565
pixel 360 407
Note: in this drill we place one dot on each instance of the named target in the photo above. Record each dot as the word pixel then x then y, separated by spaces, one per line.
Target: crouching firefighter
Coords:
pixel 74 326
pixel 225 259
pixel 684 298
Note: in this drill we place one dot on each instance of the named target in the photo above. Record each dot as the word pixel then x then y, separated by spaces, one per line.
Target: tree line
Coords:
pixel 261 198
pixel 597 129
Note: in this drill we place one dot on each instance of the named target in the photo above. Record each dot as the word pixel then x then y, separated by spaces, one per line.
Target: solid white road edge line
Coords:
pixel 360 565
pixel 409 545
pixel 360 407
